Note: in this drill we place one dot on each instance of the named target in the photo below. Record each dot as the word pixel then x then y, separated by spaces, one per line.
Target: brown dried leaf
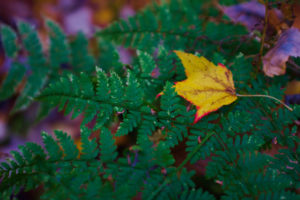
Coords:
pixel 251 14
pixel 293 87
pixel 296 13
pixel 276 21
pixel 288 44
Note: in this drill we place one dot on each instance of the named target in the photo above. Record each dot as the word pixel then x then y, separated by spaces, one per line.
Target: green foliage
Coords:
pixel 81 59
pixel 12 80
pixel 147 63
pixel 59 49
pixel 174 117
pixel 108 150
pixel 140 99
pixel 36 60
pixel 43 67
pixel 109 57
pixel 9 38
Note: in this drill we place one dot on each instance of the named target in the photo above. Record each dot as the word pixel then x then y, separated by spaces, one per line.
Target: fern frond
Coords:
pixel 196 194
pixel 42 68
pixel 52 147
pixel 108 149
pixel 109 58
pixel 69 148
pixel 102 88
pixel 31 167
pixel 116 88
pixel 37 62
pixel 14 77
pixel 89 147
pixel 32 45
pixel 146 30
pixel 147 63
pixel 131 120
pixel 81 59
pixel 173 115
pixel 59 49
pixel 139 97
pixel 133 93
pixel 10 40
pixel 76 93
pixel 162 155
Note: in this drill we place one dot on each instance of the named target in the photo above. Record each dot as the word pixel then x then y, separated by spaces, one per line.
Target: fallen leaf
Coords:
pixel 292 88
pixel 296 14
pixel 284 23
pixel 79 20
pixel 104 16
pixel 78 144
pixel 287 11
pixel 207 86
pixel 126 12
pixel 287 45
pixel 292 99
pixel 250 14
pixel 275 19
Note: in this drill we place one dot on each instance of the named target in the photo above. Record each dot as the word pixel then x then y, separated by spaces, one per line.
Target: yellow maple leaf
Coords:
pixel 207 86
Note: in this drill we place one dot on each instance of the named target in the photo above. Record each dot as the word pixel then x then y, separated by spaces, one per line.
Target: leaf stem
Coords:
pixel 194 152
pixel 265 96
pixel 181 166
pixel 158 189
pixel 264 31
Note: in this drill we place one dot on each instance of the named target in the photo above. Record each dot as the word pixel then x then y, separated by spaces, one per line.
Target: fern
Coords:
pixel 109 57
pixel 32 166
pixel 170 117
pixel 59 49
pixel 81 58
pixel 12 80
pixel 43 69
pixel 108 150
pixel 147 30
pixel 9 39
pixel 137 101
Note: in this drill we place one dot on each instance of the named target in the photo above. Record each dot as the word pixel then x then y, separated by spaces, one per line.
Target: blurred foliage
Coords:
pixel 246 150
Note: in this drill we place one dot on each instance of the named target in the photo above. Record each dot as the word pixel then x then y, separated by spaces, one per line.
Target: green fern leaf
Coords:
pixel 146 62
pixel 59 49
pixel 89 147
pixel 116 88
pixel 14 77
pixel 81 60
pixel 196 194
pixel 133 92
pixel 66 142
pixel 109 58
pixel 131 120
pixel 9 39
pixel 108 149
pixel 163 156
pixel 37 62
pixel 52 147
pixel 102 89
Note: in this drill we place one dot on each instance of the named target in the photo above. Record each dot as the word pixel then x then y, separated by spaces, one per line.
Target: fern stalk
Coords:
pixel 178 170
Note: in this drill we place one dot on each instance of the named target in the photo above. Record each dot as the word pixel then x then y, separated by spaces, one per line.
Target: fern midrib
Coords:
pixel 121 105
pixel 71 192
pixel 86 99
pixel 47 161
pixel 137 167
pixel 157 32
